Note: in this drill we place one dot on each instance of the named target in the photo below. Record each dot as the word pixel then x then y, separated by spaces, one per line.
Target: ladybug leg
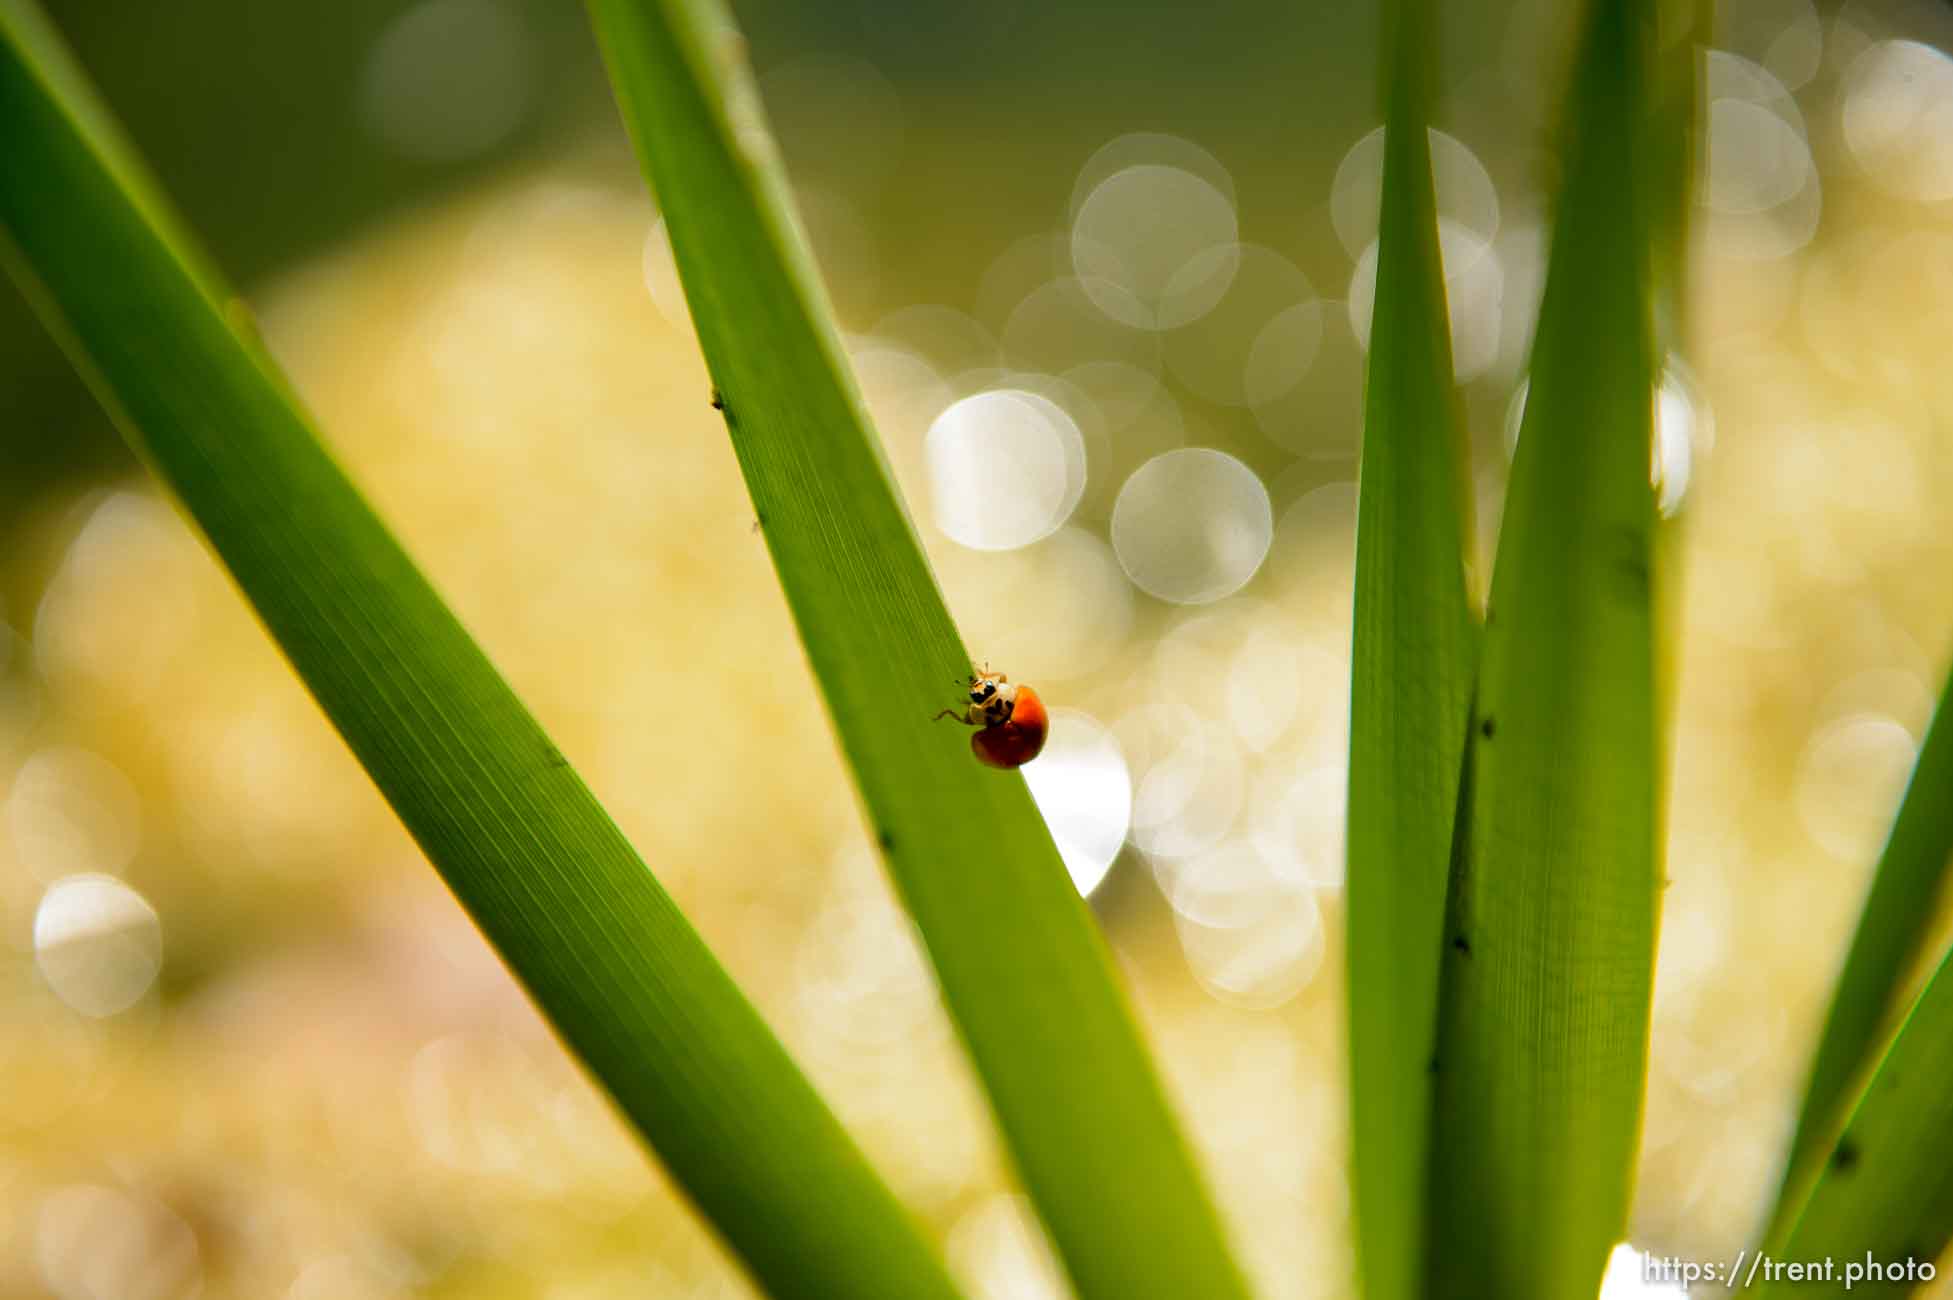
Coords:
pixel 949 713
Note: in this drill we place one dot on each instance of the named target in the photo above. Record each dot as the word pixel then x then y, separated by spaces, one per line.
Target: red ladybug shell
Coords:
pixel 1017 742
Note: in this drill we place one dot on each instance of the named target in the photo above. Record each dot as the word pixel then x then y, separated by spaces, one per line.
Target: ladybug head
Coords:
pixel 991 697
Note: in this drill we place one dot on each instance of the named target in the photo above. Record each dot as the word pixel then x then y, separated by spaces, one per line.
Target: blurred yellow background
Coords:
pixel 251 1048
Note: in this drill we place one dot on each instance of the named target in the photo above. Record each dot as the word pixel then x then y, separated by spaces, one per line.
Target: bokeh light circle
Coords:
pixel 1684 432
pixel 1083 789
pixel 1137 148
pixel 71 812
pixel 1192 525
pixel 1465 193
pixel 1759 189
pixel 1006 467
pixel 1898 118
pixel 1849 781
pixel 449 79
pixel 1251 937
pixel 98 943
pixel 1064 323
pixel 1164 237
pixel 1190 796
pixel 1474 289
pixel 1215 356
pixel 104 1243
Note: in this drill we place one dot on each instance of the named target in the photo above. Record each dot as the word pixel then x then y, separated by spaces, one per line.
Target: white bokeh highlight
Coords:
pixel 1154 246
pixel 1083 789
pixel 1192 525
pixel 1684 433
pixel 1759 187
pixel 1898 118
pixel 1252 937
pixel 1006 469
pixel 97 943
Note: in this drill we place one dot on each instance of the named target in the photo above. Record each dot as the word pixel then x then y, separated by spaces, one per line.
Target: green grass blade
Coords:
pixel 1884 1191
pixel 1674 156
pixel 1411 687
pixel 1549 966
pixel 544 872
pixel 1024 971
pixel 1892 929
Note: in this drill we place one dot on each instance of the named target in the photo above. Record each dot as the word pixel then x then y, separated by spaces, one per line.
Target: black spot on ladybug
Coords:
pixel 1845 1158
pixel 1487 727
pixel 1462 944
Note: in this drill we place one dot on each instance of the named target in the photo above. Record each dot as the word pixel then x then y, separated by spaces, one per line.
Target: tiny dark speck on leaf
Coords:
pixel 718 400
pixel 1462 944
pixel 1631 565
pixel 1432 1068
pixel 1845 1158
pixel 887 842
pixel 1487 727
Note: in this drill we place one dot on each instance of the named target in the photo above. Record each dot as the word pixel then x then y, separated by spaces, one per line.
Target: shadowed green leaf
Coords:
pixel 1411 677
pixel 518 837
pixel 1024 971
pixel 1898 912
pixel 1884 1190
pixel 1674 156
pixel 1550 947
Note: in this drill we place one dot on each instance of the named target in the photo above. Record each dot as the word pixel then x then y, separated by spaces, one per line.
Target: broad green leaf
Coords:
pixel 1411 685
pixel 547 876
pixel 1884 1190
pixel 1892 929
pixel 1026 975
pixel 1550 945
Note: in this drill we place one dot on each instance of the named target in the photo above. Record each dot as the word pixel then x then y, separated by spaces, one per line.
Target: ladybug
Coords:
pixel 1010 720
